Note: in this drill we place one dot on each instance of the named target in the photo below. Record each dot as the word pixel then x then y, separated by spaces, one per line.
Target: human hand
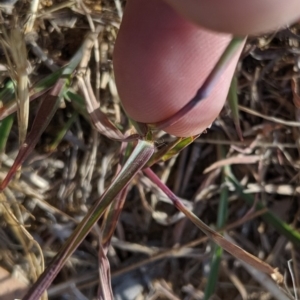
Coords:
pixel 161 58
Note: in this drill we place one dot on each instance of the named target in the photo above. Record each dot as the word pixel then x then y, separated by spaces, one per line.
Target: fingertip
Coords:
pixel 239 17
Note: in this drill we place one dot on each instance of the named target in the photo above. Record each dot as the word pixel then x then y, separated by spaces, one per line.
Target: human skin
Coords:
pixel 163 54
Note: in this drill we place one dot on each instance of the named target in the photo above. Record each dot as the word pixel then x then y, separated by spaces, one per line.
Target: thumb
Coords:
pixel 160 60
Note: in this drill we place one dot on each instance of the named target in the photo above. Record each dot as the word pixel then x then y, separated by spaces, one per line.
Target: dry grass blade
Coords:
pixel 32 14
pixel 13 44
pixel 10 286
pixel 12 215
pixel 265 281
pixel 295 90
pixel 233 249
pixel 241 159
pixel 98 118
pixel 273 119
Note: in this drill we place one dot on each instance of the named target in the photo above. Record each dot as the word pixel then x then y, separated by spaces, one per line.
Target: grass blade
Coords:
pixel 109 224
pixel 39 89
pixel 214 272
pixel 139 157
pixel 90 109
pixel 112 217
pixel 112 214
pixel 218 251
pixel 276 291
pixel 171 149
pixel 7 93
pixel 44 115
pixel 77 103
pixel 234 106
pixel 98 118
pixel 5 127
pixel 63 132
pixel 233 249
pixel 104 288
pixel 14 46
pixel 282 227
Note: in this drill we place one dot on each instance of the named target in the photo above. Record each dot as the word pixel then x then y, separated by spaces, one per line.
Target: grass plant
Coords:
pixel 86 201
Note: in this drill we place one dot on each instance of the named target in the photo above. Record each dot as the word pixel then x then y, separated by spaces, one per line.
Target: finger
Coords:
pixel 239 17
pixel 160 61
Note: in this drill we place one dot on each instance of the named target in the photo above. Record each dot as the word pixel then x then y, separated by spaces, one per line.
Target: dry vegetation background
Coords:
pixel 155 252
